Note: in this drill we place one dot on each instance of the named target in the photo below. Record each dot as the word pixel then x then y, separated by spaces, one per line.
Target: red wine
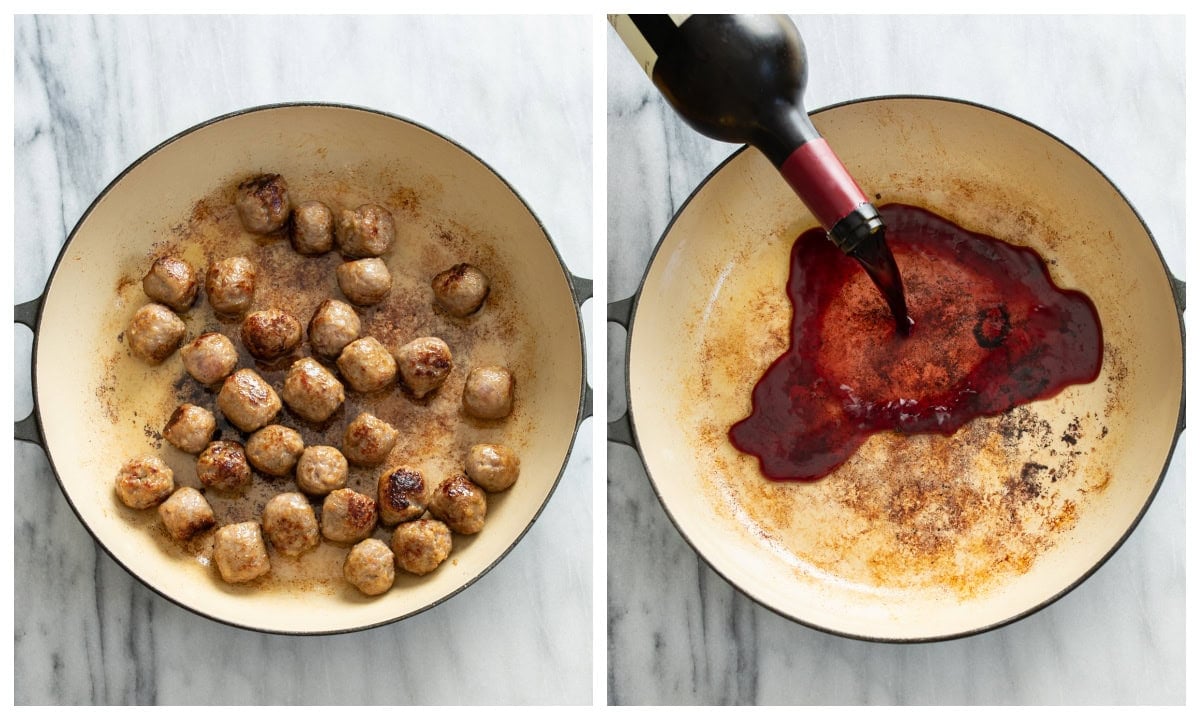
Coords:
pixel 996 332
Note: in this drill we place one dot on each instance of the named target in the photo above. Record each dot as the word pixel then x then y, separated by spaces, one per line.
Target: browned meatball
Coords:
pixel 312 228
pixel 172 282
pixel 190 428
pixel 144 482
pixel 367 231
pixel 154 333
pixel 290 524
pixel 209 358
pixel 368 440
pixel 247 400
pixel 186 514
pixel 230 284
pixel 223 467
pixel 488 392
pixel 262 203
pixel 274 450
pixel 461 290
pixel 311 391
pixel 424 364
pixel 402 495
pixel 370 567
pixel 321 469
pixel 347 516
pixel 459 503
pixel 333 326
pixel 367 365
pixel 364 282
pixel 270 334
pixel 420 546
pixel 240 553
pixel 493 467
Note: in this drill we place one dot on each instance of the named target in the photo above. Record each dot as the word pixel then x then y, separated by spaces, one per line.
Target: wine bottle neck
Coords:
pixel 781 130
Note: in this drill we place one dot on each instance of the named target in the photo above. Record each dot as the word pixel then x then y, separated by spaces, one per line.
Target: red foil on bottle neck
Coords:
pixel 822 182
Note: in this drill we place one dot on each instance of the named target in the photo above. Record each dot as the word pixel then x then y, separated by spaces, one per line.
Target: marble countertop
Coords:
pixel 92 95
pixel 1113 88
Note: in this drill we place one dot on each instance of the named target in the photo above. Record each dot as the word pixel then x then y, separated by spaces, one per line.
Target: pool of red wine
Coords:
pixel 991 331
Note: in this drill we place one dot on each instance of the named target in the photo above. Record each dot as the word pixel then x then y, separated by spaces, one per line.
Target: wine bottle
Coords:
pixel 741 78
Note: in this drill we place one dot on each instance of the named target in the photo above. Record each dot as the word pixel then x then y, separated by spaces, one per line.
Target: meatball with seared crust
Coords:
pixel 421 545
pixel 370 567
pixel 290 524
pixel 274 450
pixel 223 467
pixel 144 482
pixel 321 470
pixel 270 334
pixel 172 282
pixel 190 428
pixel 186 514
pixel 154 333
pixel 311 391
pixel 366 231
pixel 367 365
pixel 240 553
pixel 493 467
pixel 488 393
pixel 312 228
pixel 209 358
pixel 347 516
pixel 333 326
pixel 229 284
pixel 368 440
pixel 459 503
pixel 364 282
pixel 424 364
pixel 262 203
pixel 402 495
pixel 461 290
pixel 248 401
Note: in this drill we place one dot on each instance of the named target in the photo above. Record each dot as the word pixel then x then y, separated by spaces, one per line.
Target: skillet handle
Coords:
pixel 621 429
pixel 1179 290
pixel 27 314
pixel 581 288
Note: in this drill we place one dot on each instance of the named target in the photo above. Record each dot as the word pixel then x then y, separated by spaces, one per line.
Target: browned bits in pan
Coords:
pixel 172 282
pixel 290 524
pixel 312 228
pixel 230 284
pixel 263 204
pixel 370 567
pixel 209 358
pixel 186 514
pixel 424 364
pixel 420 546
pixel 270 334
pixel 223 467
pixel 240 553
pixel 366 231
pixel 190 428
pixel 459 503
pixel 402 495
pixel 461 290
pixel 347 516
pixel 144 482
pixel 154 333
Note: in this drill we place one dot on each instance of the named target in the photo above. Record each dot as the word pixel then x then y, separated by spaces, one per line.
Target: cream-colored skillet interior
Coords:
pixel 915 537
pixel 98 405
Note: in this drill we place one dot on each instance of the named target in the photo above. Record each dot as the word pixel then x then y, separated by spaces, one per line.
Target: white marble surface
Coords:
pixel 1111 87
pixel 92 95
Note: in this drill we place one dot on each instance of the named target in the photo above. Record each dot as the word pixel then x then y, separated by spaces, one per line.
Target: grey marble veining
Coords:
pixel 1113 88
pixel 92 95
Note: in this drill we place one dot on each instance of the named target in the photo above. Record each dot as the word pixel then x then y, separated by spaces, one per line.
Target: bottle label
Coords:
pixel 822 182
pixel 634 38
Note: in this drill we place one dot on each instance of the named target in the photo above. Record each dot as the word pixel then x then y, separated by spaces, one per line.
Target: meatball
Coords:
pixel 190 428
pixel 144 482
pixel 367 231
pixel 223 467
pixel 270 334
pixel 274 450
pixel 312 228
pixel 240 553
pixel 459 503
pixel 290 524
pixel 364 282
pixel 461 290
pixel 172 282
pixel 229 284
pixel 493 467
pixel 424 364
pixel 370 567
pixel 420 546
pixel 402 495
pixel 367 365
pixel 321 469
pixel 368 440
pixel 333 326
pixel 209 358
pixel 347 516
pixel 488 393
pixel 154 333
pixel 248 401
pixel 186 514
pixel 311 391
pixel 262 203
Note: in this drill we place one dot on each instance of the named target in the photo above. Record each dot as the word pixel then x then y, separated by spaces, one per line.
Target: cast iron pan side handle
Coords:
pixel 581 288
pixel 27 314
pixel 1179 290
pixel 621 429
